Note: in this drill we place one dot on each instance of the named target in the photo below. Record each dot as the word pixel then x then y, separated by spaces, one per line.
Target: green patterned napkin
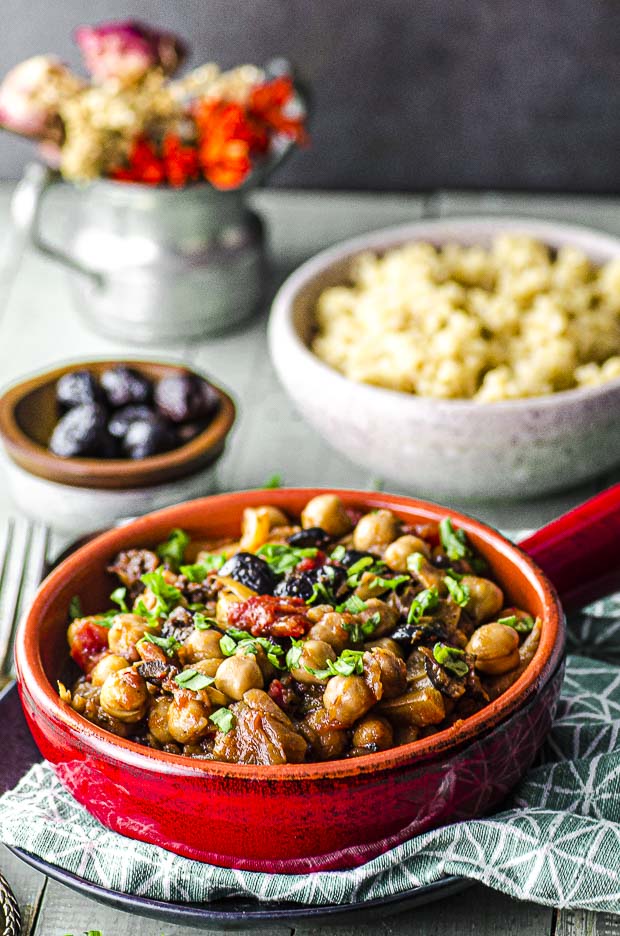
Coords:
pixel 557 842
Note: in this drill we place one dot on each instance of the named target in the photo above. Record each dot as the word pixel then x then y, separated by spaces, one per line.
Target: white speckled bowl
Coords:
pixel 446 448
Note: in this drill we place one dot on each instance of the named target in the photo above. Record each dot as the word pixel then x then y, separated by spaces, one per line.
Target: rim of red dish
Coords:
pixel 35 686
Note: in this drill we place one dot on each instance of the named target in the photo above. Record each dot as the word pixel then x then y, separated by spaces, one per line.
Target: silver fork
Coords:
pixel 23 552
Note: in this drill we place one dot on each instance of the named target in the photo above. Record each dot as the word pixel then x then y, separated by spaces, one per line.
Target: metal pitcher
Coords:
pixel 152 264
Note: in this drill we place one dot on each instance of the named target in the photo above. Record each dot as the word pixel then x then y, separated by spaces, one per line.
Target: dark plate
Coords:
pixel 236 913
pixel 230 913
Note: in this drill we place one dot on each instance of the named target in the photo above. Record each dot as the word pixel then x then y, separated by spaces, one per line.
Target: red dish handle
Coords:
pixel 580 551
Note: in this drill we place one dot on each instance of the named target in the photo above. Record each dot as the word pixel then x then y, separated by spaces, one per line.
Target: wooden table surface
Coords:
pixel 40 326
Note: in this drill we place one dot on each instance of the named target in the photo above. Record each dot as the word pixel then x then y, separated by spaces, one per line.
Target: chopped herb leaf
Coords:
pixel 338 554
pixel 283 558
pixel 425 601
pixel 168 644
pixel 202 622
pixel 192 679
pixel 523 625
pixel 415 562
pixel 451 659
pixel 228 645
pixel 275 481
pixel 199 570
pixel 237 633
pixel 167 595
pixel 386 584
pixel 273 651
pixel 459 592
pixel 75 608
pixel 349 662
pixel 118 597
pixel 361 629
pixel 294 653
pixel 361 565
pixel 322 591
pixel 453 541
pixel 353 605
pixel 224 719
pixel 174 548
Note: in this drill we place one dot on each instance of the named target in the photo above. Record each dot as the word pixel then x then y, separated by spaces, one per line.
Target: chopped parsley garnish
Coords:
pixel 353 605
pixel 294 653
pixel 356 571
pixel 386 584
pixel 415 562
pixel 425 601
pixel 338 554
pixel 75 608
pixel 283 558
pixel 324 592
pixel 118 597
pixel 198 571
pixel 202 622
pixel 524 625
pixel 192 679
pixel 224 719
pixel 174 548
pixel 168 644
pixel 348 663
pixel 459 592
pixel 361 629
pixel 275 481
pixel 453 541
pixel 167 595
pixel 228 645
pixel 273 651
pixel 451 658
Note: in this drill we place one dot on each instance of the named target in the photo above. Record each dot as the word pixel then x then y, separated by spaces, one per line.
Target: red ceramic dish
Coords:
pixel 297 817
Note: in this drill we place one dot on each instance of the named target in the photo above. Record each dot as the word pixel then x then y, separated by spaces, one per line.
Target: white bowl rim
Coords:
pixel 280 320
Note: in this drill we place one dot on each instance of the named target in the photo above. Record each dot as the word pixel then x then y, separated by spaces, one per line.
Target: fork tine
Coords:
pixel 26 546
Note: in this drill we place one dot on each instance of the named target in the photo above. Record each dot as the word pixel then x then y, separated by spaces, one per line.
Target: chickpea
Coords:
pixel 485 599
pixel 188 718
pixel 314 654
pixel 375 531
pixel 385 643
pixel 495 647
pixel 256 524
pixel 326 511
pixel 373 732
pixel 421 707
pixel 125 633
pixel 236 675
pixel 405 734
pixel 392 672
pixel 206 667
pixel 326 741
pixel 398 552
pixel 347 698
pixel 201 645
pixel 158 720
pixel 124 695
pixel 258 654
pixel 331 629
pixel 388 617
pixel 108 664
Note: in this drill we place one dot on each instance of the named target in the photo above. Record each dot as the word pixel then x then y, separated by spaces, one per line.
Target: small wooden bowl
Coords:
pixel 28 414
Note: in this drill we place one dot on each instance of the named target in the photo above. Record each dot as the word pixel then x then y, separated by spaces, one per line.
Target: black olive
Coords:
pixel 123 385
pixel 352 556
pixel 81 432
pixel 312 537
pixel 154 671
pixel 76 388
pixel 121 420
pixel 186 397
pixel 301 584
pixel 179 624
pixel 250 570
pixel 148 437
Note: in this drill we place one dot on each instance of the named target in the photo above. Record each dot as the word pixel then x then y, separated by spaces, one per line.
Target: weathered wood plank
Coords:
pixel 477 912
pixel 27 885
pixel 586 923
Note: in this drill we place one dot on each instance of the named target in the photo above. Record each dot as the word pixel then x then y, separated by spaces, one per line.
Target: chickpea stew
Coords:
pixel 333 635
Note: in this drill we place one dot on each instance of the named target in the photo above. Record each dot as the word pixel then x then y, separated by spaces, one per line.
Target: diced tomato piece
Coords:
pixel 268 616
pixel 89 641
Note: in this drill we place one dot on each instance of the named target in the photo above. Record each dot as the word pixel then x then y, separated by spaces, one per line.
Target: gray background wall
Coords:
pixel 409 94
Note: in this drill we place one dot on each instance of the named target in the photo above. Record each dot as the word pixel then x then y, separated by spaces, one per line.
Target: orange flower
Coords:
pixel 267 106
pixel 225 143
pixel 180 162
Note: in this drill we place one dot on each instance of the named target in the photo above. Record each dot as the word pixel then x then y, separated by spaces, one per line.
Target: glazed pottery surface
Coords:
pixel 445 448
pixel 294 817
